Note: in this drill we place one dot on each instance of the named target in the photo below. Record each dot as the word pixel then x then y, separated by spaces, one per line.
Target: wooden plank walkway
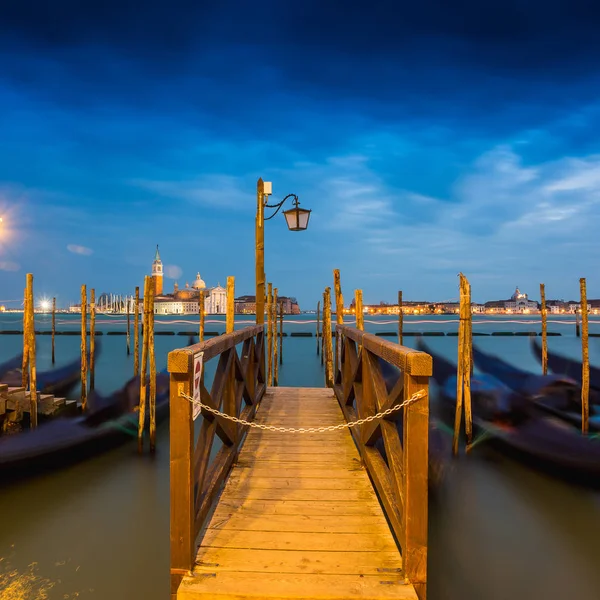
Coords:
pixel 298 517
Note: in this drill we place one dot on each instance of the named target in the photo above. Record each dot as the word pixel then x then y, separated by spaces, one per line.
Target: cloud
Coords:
pixel 83 250
pixel 502 217
pixel 218 191
pixel 7 265
pixel 577 175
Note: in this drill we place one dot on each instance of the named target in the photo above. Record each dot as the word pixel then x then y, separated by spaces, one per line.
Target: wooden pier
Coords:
pixel 337 513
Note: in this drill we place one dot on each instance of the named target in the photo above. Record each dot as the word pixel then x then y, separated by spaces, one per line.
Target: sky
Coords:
pixel 427 138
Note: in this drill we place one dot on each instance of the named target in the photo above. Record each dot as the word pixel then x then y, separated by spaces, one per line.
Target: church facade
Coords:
pixel 517 303
pixel 186 301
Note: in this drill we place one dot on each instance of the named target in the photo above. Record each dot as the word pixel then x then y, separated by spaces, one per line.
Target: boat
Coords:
pixel 439 442
pixel 108 422
pixel 13 363
pixel 519 427
pixel 56 381
pixel 562 365
pixel 559 395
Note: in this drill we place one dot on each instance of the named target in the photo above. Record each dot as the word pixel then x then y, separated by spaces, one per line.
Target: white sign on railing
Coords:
pixel 196 388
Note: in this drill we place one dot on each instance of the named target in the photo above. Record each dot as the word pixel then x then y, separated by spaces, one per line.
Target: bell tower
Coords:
pixel 157 274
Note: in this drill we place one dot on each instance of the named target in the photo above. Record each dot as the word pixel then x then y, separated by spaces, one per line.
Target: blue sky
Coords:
pixel 427 140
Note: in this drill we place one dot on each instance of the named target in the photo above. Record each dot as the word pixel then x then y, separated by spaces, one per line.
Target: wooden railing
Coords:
pixel 394 449
pixel 238 386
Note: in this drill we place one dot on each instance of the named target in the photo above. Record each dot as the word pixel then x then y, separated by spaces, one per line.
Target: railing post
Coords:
pixel 181 428
pixel 415 476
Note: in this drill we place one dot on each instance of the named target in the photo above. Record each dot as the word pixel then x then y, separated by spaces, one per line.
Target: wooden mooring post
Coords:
pixel 152 359
pixel 128 327
pixel 92 338
pixel 275 340
pixel 339 318
pixel 544 330
pixel 53 327
pixel 358 309
pixel 230 317
pixel 327 342
pixel 136 334
pixel 281 333
pixel 269 335
pixel 25 359
pixel 463 379
pixel 201 312
pixel 148 284
pixel 30 307
pixel 585 360
pixel 400 319
pixel 318 327
pixel 84 367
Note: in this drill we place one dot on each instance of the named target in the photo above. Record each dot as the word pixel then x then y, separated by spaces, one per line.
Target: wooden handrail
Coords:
pixel 179 361
pixel 395 450
pixel 238 386
pixel 406 359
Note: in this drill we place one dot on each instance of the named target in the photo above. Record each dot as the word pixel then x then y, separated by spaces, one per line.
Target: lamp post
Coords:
pixel 296 219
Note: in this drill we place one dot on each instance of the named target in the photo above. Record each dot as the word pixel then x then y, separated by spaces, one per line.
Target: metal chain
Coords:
pixel 416 396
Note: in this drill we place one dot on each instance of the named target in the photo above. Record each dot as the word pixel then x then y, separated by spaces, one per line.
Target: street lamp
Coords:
pixel 296 219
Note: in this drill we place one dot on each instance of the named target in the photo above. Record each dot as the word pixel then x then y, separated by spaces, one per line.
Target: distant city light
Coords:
pixel 45 304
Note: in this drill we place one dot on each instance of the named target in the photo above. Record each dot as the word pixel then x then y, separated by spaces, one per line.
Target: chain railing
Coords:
pixel 326 428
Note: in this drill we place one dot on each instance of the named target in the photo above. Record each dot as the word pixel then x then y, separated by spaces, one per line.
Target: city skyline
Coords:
pixel 426 142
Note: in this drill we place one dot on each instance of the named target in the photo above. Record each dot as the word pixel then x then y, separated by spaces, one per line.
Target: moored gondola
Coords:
pixel 561 365
pixel 108 423
pixel 559 395
pixel 56 381
pixel 517 426
pixel 12 363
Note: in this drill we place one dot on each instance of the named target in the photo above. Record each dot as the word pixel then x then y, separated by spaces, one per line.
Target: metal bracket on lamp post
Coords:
pixel 280 204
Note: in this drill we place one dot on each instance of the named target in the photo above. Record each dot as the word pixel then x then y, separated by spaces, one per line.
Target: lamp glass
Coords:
pixel 297 218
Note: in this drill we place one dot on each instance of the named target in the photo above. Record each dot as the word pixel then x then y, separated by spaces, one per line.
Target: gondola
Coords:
pixel 519 427
pixel 439 442
pixel 556 394
pixel 562 365
pixel 58 381
pixel 13 363
pixel 109 422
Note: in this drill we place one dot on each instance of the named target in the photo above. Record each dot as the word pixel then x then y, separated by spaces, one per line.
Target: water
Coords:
pixel 100 529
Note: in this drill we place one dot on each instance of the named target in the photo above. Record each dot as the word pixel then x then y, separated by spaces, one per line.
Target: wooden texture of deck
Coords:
pixel 298 517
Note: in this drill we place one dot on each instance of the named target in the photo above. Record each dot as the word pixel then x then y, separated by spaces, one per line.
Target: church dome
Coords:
pixel 198 283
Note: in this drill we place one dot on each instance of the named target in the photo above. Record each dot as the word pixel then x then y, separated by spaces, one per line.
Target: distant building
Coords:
pixel 408 307
pixel 216 301
pixel 520 303
pixel 517 303
pixel 157 274
pixel 186 301
pixel 246 305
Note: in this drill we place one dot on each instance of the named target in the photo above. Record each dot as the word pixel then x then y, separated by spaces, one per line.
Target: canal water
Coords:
pixel 100 529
